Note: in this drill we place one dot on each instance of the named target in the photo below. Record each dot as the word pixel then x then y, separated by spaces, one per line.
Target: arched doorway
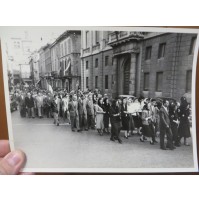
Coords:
pixel 126 76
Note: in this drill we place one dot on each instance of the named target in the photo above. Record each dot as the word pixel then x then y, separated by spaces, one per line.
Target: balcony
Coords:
pixel 96 47
pixel 123 34
pixel 136 34
pixel 86 51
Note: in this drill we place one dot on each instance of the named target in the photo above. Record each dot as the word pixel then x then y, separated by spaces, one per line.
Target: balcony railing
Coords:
pixel 96 47
pixel 116 35
pixel 86 51
pixel 123 33
pixel 137 34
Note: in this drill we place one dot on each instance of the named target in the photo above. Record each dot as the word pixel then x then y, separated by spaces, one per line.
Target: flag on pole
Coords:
pixel 49 87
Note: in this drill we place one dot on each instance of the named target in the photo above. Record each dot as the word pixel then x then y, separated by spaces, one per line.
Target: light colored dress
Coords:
pixel 99 117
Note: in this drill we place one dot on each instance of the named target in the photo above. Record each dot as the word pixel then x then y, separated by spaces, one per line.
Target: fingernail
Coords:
pixel 13 159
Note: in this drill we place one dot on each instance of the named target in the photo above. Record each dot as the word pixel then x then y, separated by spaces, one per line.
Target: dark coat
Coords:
pixel 80 107
pixel 184 126
pixel 125 117
pixel 106 108
pixel 54 107
pixel 29 102
pixel 164 119
pixel 112 112
pixel 73 109
pixel 47 101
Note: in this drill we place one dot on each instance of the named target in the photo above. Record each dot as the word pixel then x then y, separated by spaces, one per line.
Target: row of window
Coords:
pixel 106 84
pixel 97 62
pixel 159 81
pixel 161 51
pixel 162 48
pixel 66 47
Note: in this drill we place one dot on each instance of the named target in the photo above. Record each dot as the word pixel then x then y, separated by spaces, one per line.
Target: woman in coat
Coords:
pixel 184 127
pixel 99 116
pixel 146 123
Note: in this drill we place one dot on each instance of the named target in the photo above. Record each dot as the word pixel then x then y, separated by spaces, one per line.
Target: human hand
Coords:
pixel 10 162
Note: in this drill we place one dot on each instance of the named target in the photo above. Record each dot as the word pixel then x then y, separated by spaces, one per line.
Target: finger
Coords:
pixel 12 162
pixel 4 148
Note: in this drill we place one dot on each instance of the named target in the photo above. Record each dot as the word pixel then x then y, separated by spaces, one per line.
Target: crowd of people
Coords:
pixel 152 119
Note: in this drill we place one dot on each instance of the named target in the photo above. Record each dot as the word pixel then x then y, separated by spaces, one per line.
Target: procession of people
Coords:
pixel 125 116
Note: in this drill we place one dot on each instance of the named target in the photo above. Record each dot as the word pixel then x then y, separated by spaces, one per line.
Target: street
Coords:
pixel 50 146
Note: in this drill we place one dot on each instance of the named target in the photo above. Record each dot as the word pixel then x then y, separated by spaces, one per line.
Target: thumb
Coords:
pixel 12 163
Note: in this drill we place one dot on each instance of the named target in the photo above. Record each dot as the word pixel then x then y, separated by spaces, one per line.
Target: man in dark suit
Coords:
pixel 165 127
pixel 22 105
pixel 47 105
pixel 29 102
pixel 73 110
pixel 80 112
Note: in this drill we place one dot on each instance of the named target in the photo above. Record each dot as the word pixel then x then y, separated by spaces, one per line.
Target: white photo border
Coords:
pixel 111 170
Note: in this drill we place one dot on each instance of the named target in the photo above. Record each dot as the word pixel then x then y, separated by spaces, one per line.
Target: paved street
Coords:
pixel 49 146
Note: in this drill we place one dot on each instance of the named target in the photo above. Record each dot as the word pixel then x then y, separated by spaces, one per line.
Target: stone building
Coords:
pixel 69 60
pixel 60 63
pixel 96 61
pixel 137 63
pixel 55 55
pixel 166 65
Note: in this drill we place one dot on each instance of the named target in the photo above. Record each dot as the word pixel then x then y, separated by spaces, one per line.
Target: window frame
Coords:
pixel 187 81
pixel 97 37
pixel 157 83
pixel 96 62
pixel 160 54
pixel 87 65
pixel 144 83
pixel 106 82
pixel 87 84
pixel 146 53
pixel 106 60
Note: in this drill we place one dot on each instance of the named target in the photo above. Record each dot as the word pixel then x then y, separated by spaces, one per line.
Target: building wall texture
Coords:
pixel 174 64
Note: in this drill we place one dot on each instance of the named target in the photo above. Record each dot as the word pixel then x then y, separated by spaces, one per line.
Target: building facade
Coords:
pixel 137 63
pixel 69 60
pixel 55 55
pixel 96 61
pixel 167 61
pixel 34 67
pixel 60 63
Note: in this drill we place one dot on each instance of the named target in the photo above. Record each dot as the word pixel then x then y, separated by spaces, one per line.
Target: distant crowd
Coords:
pixel 150 118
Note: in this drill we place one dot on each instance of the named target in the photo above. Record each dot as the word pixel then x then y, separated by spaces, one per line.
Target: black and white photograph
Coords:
pixel 101 99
